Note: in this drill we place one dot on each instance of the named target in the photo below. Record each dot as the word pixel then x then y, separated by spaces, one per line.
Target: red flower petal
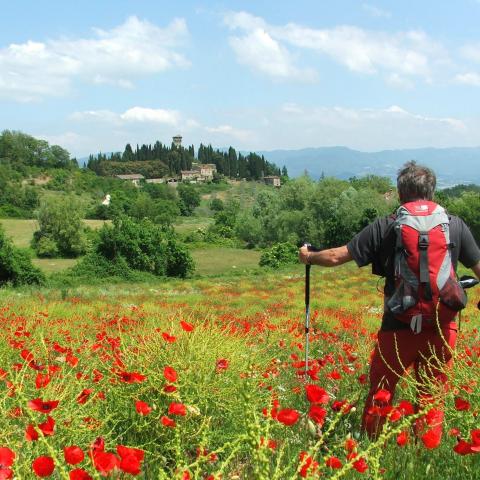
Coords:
pixel 288 416
pixel 43 466
pixel 73 454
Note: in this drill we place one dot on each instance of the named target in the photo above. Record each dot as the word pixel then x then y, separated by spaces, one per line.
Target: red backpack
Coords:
pixel 422 265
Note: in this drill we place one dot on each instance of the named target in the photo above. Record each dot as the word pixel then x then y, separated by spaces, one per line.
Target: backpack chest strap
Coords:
pixel 424 274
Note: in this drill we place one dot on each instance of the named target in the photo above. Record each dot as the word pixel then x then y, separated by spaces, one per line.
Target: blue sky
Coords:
pixel 258 75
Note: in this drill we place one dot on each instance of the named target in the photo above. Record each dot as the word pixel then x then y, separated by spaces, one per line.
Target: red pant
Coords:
pixel 398 350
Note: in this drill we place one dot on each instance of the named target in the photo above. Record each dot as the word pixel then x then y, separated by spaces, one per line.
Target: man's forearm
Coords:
pixel 330 257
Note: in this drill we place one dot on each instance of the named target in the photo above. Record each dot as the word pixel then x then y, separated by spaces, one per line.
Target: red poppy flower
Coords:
pixel 334 375
pixel 168 338
pixel 316 394
pixel 105 462
pixel 333 462
pixel 72 360
pixel 434 417
pixel 317 414
pixel 44 407
pixel 170 374
pixel 360 465
pixel 142 407
pixel 222 364
pixel 7 457
pixel 43 466
pixel 382 396
pixel 288 416
pixel 27 355
pixel 461 404
pixel 130 459
pixel 167 422
pixel 79 474
pixel 402 438
pixel 177 409
pixel 188 327
pixel 350 445
pixel 406 407
pixel 432 438
pixel 475 434
pixel 363 379
pixel 42 380
pixel 169 388
pixel 131 377
pixel 84 396
pixel 463 448
pixel 47 427
pixel 31 433
pixel 6 473
pixel 73 454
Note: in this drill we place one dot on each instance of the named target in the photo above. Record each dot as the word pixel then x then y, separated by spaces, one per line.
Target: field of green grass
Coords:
pixel 21 231
pixel 209 261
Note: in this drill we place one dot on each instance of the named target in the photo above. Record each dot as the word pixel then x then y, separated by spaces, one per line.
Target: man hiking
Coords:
pixel 417 250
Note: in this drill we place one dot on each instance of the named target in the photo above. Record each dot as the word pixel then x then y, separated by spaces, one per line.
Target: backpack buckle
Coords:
pixel 423 241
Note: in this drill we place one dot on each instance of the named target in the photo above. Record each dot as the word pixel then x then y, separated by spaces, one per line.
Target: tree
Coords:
pixel 140 246
pixel 61 221
pixel 189 198
pixel 16 267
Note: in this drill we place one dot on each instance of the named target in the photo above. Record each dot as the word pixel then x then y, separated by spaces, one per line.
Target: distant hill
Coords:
pixel 452 165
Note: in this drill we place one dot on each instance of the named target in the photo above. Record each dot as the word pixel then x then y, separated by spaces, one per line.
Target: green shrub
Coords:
pixel 46 248
pixel 60 220
pixel 16 266
pixel 278 255
pixel 128 246
pixel 216 205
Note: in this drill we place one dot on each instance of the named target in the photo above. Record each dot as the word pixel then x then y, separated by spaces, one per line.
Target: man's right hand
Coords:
pixel 304 254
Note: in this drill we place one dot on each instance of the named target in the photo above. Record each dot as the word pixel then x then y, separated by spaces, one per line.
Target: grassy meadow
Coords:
pixel 208 261
pixel 205 379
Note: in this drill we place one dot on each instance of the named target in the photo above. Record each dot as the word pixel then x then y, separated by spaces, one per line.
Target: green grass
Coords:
pixel 221 260
pixel 52 265
pixel 190 224
pixel 21 231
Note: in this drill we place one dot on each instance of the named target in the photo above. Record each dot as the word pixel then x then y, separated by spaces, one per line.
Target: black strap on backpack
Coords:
pixel 423 243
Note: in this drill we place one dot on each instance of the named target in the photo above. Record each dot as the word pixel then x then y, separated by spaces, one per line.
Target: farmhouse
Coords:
pixel 135 178
pixel 199 173
pixel 207 170
pixel 189 175
pixel 272 180
pixel 155 180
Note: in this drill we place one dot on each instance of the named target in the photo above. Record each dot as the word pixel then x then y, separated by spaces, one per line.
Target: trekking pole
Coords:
pixel 307 313
pixel 307 305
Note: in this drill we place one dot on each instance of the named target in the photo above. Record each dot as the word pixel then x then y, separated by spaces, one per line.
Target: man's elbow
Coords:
pixel 339 256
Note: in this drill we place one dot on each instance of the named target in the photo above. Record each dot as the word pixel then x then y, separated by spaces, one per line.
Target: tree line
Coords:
pixel 161 160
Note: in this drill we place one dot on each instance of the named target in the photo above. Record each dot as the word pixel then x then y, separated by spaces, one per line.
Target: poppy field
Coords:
pixel 206 379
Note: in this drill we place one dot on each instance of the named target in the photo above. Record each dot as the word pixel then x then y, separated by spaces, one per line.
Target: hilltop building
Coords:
pixel 199 173
pixel 177 140
pixel 272 180
pixel 135 178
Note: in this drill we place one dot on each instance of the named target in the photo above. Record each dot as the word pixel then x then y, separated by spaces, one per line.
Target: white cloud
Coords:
pixel 468 79
pixel 375 11
pixel 33 70
pixel 132 115
pixel 260 51
pixel 396 55
pixel 158 115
